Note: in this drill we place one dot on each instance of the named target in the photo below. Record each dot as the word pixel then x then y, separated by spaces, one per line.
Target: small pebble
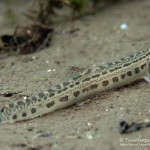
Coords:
pixel 124 26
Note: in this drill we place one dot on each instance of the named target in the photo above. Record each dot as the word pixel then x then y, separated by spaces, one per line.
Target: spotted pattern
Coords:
pixel 137 70
pixel 85 90
pixel 14 117
pixel 129 73
pixel 50 104
pixel 24 114
pixel 88 81
pixel 78 77
pixel 20 103
pixel 105 83
pixel 59 91
pixel 104 72
pixel 66 84
pixel 41 95
pixel 127 64
pixel 115 79
pixel 123 76
pixel 11 105
pixel 64 99
pixel 51 94
pixel 72 85
pixel 94 86
pixel 28 101
pixel 77 83
pixel 33 110
pixel 58 86
pixel 34 98
pixel 96 76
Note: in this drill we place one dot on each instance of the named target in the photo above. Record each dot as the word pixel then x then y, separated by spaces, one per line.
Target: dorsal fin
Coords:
pixel 73 72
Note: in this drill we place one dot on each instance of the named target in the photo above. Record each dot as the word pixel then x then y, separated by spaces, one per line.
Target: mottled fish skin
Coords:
pixel 92 80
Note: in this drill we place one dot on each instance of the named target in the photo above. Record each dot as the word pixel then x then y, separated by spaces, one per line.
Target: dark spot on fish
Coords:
pixel 76 93
pixel 66 83
pixel 50 104
pixel 129 73
pixel 110 64
pixel 20 103
pixel 59 91
pixel 45 97
pixel 50 90
pixel 105 83
pixel 64 99
pixel 97 70
pixel 116 68
pixel 58 86
pixel 24 114
pixel 104 72
pixel 64 89
pixel 39 100
pixel 126 64
pixel 51 94
pixel 134 61
pixel 123 76
pixel 72 85
pixel 96 76
pixel 34 98
pixel 85 90
pixel 140 58
pixel 144 56
pixel 86 79
pixel 77 83
pixel 115 79
pixel 28 101
pixel 41 95
pixel 11 105
pixel 137 70
pixel 94 86
pixel 33 110
pixel 111 70
pixel 14 117
pixel 142 66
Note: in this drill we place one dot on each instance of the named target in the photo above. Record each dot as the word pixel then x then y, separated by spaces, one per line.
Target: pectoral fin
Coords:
pixel 147 78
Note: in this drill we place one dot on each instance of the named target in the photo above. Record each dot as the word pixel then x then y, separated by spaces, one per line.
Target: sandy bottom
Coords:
pixel 93 124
